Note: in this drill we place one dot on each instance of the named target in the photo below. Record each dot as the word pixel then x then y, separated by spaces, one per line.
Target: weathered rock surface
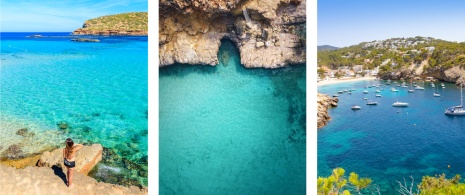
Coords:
pixel 45 180
pixel 86 158
pixel 396 75
pixel 13 152
pixel 324 102
pixel 268 34
pixel 451 74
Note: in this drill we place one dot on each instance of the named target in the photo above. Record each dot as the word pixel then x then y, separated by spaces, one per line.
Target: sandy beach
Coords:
pixel 343 80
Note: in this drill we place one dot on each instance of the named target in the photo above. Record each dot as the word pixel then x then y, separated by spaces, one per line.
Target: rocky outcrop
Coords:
pixel 268 34
pixel 13 152
pixel 324 102
pixel 398 74
pixel 132 24
pixel 85 40
pixel 86 158
pixel 451 74
pixel 45 180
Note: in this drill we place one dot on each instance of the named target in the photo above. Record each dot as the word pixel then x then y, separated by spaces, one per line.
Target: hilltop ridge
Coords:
pixel 397 58
pixel 132 23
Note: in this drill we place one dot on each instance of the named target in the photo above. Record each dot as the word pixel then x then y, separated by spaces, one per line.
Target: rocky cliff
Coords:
pixel 324 102
pixel 451 74
pixel 268 33
pixel 134 23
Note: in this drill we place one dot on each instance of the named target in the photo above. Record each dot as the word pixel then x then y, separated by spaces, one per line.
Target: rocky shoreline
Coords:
pixel 451 74
pixel 48 168
pixel 268 34
pixel 324 102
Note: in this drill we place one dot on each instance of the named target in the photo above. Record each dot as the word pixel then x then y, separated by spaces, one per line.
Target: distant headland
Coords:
pixel 132 23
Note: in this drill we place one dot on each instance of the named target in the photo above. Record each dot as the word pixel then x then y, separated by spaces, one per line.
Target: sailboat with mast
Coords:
pixel 436 94
pixel 457 110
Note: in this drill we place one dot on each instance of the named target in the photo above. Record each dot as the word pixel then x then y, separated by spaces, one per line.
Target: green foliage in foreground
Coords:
pixel 124 21
pixel 337 184
pixel 440 185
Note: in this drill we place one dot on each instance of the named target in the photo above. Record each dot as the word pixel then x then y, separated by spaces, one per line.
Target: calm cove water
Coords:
pixel 231 130
pixel 387 143
pixel 98 89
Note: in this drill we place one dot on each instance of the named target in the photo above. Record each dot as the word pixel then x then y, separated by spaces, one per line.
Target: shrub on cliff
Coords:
pixel 336 183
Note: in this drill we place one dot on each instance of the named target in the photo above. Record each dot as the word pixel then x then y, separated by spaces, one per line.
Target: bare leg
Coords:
pixel 70 179
pixel 67 176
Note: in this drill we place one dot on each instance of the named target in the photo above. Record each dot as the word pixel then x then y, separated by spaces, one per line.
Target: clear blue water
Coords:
pixel 387 143
pixel 99 89
pixel 231 130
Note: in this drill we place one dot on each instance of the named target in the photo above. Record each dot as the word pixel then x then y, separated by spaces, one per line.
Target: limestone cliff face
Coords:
pixel 268 33
pixel 451 74
pixel 324 102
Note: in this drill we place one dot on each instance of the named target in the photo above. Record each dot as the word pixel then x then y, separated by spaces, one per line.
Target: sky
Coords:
pixel 344 23
pixel 59 15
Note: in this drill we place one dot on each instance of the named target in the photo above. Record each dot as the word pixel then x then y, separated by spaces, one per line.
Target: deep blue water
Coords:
pixel 231 130
pixel 99 89
pixel 387 143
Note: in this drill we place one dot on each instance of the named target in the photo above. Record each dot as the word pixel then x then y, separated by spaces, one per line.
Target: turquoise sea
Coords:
pixel 98 89
pixel 231 130
pixel 389 144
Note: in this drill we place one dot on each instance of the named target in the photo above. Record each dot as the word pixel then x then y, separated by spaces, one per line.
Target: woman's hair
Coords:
pixel 69 147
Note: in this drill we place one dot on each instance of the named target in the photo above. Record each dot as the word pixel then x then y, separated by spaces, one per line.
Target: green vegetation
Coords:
pixel 135 21
pixel 441 185
pixel 396 53
pixel 336 184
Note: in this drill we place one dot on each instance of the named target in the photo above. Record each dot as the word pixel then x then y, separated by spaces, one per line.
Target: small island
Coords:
pixel 132 24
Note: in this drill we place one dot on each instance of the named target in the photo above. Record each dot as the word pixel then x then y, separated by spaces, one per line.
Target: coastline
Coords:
pixel 337 81
pixel 40 180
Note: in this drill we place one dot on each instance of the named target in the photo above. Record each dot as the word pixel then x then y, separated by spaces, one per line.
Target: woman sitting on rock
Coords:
pixel 68 154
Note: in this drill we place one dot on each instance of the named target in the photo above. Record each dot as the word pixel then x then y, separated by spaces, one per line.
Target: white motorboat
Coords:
pixel 394 90
pixel 336 95
pixel 411 91
pixel 340 92
pixel 355 107
pixel 365 98
pixel 400 104
pixel 378 95
pixel 378 91
pixel 372 103
pixel 365 91
pixel 457 110
pixel 419 88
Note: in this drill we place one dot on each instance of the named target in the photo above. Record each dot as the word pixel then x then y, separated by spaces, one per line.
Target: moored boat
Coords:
pixel 400 104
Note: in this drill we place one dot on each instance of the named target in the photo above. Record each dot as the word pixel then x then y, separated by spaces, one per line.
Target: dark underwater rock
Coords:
pixel 13 152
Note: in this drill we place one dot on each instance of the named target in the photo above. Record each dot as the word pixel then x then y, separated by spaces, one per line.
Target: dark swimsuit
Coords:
pixel 70 164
